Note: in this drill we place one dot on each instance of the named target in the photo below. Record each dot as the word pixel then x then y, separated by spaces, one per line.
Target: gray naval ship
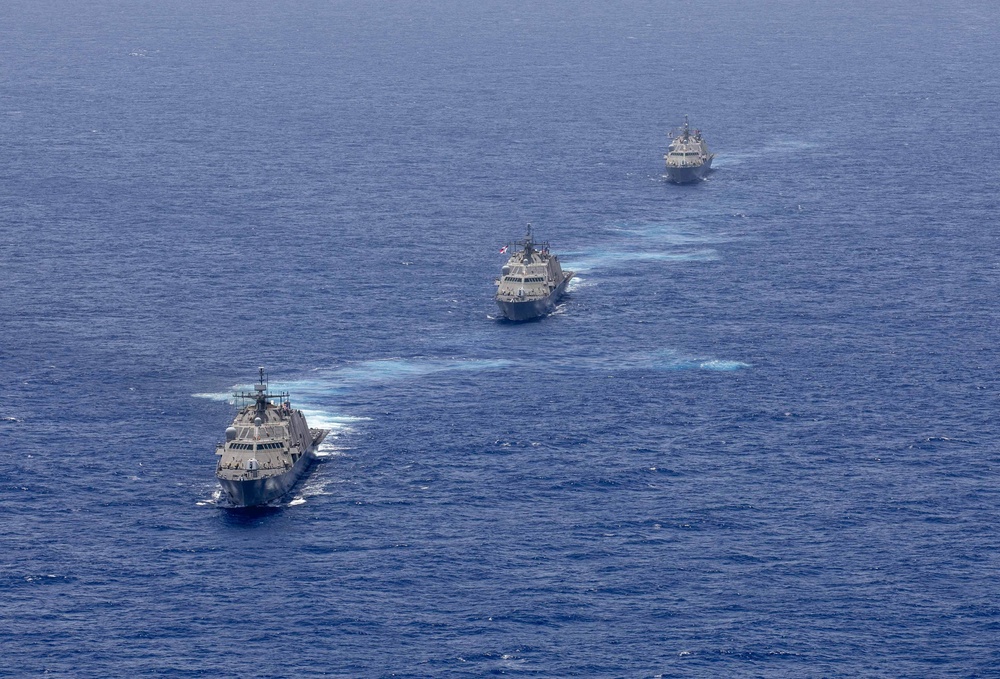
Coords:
pixel 268 447
pixel 531 282
pixel 688 159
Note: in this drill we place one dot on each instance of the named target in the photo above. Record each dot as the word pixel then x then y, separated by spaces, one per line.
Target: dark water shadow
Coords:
pixel 248 517
pixel 503 320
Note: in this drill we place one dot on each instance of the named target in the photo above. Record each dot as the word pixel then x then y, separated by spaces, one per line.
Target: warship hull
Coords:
pixel 534 308
pixel 256 492
pixel 688 175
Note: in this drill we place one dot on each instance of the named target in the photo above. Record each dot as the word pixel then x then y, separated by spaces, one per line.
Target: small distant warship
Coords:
pixel 267 448
pixel 531 282
pixel 688 159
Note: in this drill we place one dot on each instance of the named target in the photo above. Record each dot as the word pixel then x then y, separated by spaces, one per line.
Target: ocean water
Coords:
pixel 758 438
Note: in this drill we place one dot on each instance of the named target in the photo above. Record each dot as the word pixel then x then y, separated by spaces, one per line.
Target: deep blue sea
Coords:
pixel 759 438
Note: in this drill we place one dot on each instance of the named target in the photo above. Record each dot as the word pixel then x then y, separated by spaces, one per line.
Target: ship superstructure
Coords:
pixel 687 158
pixel 531 282
pixel 268 448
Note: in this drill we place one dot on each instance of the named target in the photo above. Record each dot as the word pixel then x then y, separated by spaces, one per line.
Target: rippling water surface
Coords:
pixel 758 438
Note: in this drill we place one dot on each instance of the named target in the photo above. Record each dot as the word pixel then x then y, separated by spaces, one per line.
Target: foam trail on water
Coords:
pixel 312 486
pixel 323 419
pixel 669 359
pixel 215 499
pixel 716 364
pixel 328 449
pixel 380 370
pixel 317 395
pixel 226 396
pixel 305 390
pixel 779 147
pixel 681 232
pixel 394 369
pixel 588 262
pixel 663 359
pixel 337 426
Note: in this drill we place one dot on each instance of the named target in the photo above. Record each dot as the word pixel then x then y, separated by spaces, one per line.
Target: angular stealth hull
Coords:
pixel 528 309
pixel 688 158
pixel 689 174
pixel 259 490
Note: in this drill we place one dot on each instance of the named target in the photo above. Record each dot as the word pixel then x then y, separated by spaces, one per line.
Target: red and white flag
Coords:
pixel 503 249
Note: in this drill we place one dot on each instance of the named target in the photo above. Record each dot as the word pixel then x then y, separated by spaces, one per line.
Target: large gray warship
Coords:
pixel 267 448
pixel 688 159
pixel 531 282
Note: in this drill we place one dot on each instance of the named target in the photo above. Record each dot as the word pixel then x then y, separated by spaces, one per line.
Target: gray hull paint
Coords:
pixel 525 311
pixel 688 175
pixel 263 490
